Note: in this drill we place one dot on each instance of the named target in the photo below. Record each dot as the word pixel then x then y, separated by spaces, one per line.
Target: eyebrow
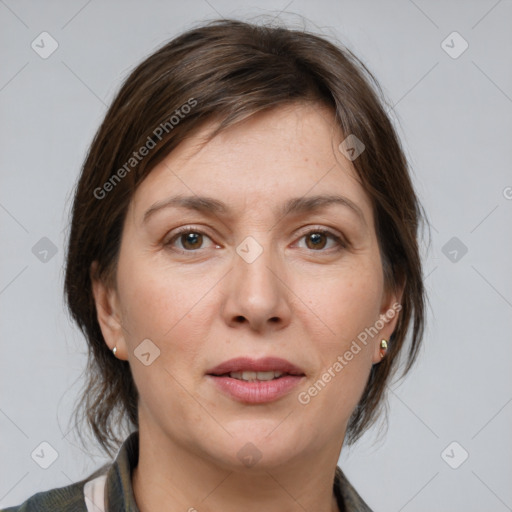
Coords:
pixel 296 205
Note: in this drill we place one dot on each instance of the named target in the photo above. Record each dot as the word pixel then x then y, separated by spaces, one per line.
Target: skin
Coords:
pixel 206 304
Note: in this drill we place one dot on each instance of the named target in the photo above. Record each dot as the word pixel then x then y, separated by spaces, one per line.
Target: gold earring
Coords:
pixel 383 347
pixel 114 350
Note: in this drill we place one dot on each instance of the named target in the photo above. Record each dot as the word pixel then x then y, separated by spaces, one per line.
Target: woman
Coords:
pixel 243 262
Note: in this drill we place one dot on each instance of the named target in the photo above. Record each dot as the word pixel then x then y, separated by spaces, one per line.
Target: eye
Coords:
pixel 191 239
pixel 316 239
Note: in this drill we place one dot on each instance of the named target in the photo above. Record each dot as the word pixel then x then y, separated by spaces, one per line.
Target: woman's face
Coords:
pixel 253 276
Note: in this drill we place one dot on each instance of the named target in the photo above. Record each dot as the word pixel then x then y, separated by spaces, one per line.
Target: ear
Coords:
pixel 389 313
pixel 108 313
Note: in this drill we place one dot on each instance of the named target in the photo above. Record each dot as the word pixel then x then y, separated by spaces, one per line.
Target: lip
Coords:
pixel 256 392
pixel 265 364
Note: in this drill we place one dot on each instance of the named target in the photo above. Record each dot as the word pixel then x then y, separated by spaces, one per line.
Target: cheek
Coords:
pixel 157 300
pixel 171 307
pixel 347 302
pixel 165 311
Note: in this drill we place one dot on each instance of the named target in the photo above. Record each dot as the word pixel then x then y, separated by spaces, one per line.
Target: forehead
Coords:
pixel 259 163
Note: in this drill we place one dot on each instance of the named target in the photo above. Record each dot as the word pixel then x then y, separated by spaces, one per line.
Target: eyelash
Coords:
pixel 189 229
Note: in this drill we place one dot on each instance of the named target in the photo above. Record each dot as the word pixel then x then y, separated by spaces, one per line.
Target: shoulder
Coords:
pixel 111 482
pixel 347 495
pixel 69 499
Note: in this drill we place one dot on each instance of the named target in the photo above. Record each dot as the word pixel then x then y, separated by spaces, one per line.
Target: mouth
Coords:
pixel 249 376
pixel 267 368
pixel 254 381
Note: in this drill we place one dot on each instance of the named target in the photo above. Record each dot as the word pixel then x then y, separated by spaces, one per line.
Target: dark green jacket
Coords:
pixel 119 494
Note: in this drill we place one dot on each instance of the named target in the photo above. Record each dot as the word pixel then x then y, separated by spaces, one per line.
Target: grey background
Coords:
pixel 454 117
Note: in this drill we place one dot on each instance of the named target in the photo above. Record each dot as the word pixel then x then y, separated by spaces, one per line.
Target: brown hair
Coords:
pixel 228 70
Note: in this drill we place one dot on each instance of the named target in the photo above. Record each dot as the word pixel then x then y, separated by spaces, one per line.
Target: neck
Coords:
pixel 168 477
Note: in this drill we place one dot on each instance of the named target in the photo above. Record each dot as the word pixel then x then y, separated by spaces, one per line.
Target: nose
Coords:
pixel 257 294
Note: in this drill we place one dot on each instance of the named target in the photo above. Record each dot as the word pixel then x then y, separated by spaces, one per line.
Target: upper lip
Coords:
pixel 265 364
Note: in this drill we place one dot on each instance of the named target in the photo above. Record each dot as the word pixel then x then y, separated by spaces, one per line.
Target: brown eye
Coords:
pixel 190 240
pixel 317 240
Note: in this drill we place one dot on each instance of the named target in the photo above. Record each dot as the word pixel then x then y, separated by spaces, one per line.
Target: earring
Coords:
pixel 114 350
pixel 383 348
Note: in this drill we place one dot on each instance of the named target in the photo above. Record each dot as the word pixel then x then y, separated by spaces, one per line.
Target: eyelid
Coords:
pixel 319 229
pixel 336 236
pixel 183 230
pixel 340 239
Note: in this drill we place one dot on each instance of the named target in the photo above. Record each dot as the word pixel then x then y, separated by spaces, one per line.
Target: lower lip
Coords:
pixel 256 392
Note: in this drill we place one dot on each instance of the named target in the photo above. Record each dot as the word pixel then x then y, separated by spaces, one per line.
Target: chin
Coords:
pixel 259 444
